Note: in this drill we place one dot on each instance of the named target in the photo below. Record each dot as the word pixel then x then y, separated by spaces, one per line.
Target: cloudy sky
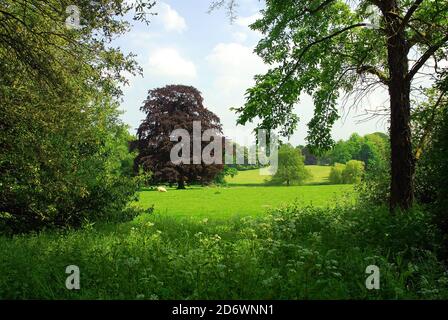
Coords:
pixel 184 44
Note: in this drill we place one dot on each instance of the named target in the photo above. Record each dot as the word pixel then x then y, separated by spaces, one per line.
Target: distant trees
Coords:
pixel 372 149
pixel 228 171
pixel 353 172
pixel 349 173
pixel 248 158
pixel 336 173
pixel 169 108
pixel 310 159
pixel 291 168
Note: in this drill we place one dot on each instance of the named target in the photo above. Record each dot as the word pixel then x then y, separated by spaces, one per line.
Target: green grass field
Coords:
pixel 239 201
pixel 246 195
pixel 253 177
pixel 293 252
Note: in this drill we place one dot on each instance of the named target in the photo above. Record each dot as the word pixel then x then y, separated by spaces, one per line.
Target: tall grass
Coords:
pixel 290 253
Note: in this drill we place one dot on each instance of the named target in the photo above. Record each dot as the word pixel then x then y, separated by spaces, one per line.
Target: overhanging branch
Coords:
pixel 310 45
pixel 374 71
pixel 424 58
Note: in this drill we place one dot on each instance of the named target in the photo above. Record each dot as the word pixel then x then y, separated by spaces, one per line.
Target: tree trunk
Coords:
pixel 180 184
pixel 402 161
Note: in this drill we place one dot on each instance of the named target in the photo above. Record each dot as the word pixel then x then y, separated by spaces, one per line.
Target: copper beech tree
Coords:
pixel 169 108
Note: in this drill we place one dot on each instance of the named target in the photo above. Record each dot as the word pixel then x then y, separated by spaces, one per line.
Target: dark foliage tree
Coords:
pixel 310 158
pixel 169 108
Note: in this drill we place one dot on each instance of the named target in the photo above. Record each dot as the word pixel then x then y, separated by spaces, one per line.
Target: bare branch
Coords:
pixel 421 62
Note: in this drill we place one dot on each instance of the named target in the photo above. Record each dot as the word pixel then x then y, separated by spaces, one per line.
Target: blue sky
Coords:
pixel 186 45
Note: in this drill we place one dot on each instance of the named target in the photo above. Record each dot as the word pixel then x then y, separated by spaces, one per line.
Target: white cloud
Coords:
pixel 235 65
pixel 170 18
pixel 247 21
pixel 168 62
pixel 232 67
pixel 240 36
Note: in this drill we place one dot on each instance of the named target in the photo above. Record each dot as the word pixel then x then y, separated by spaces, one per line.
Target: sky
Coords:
pixel 184 44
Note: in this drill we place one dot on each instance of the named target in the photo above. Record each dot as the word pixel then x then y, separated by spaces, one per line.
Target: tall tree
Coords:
pixel 169 108
pixel 325 47
pixel 64 156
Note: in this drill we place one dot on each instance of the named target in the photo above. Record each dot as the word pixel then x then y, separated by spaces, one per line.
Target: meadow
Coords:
pixel 253 178
pixel 233 242
pixel 245 195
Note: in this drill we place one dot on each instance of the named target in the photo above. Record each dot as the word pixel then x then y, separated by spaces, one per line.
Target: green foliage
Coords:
pixel 290 253
pixel 350 173
pixel 353 172
pixel 328 49
pixel 65 158
pixel 226 172
pixel 372 149
pixel 291 168
pixel 336 173
pixel 431 145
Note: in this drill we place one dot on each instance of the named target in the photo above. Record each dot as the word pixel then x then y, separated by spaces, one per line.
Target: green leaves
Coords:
pixel 291 168
pixel 64 156
pixel 317 49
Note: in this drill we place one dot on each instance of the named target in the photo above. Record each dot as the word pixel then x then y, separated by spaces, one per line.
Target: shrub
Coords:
pixel 336 173
pixel 349 173
pixel 353 172
pixel 227 171
pixel 67 183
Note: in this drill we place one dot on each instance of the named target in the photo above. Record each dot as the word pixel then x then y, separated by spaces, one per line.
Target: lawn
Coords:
pixel 246 195
pixel 240 201
pixel 252 177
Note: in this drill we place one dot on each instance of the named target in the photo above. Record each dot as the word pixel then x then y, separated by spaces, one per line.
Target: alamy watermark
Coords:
pixel 73 280
pixel 223 151
pixel 73 21
pixel 373 280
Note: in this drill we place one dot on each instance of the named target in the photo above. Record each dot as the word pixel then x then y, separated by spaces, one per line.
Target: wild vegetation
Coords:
pixel 76 188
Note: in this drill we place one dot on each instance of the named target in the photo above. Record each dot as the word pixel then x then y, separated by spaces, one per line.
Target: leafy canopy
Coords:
pixel 331 48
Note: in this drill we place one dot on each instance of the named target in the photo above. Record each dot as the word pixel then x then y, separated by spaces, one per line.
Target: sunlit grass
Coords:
pixel 252 177
pixel 225 202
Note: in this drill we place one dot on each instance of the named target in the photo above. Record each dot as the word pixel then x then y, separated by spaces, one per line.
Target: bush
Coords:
pixel 336 173
pixel 66 182
pixel 349 173
pixel 291 167
pixel 220 178
pixel 353 172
